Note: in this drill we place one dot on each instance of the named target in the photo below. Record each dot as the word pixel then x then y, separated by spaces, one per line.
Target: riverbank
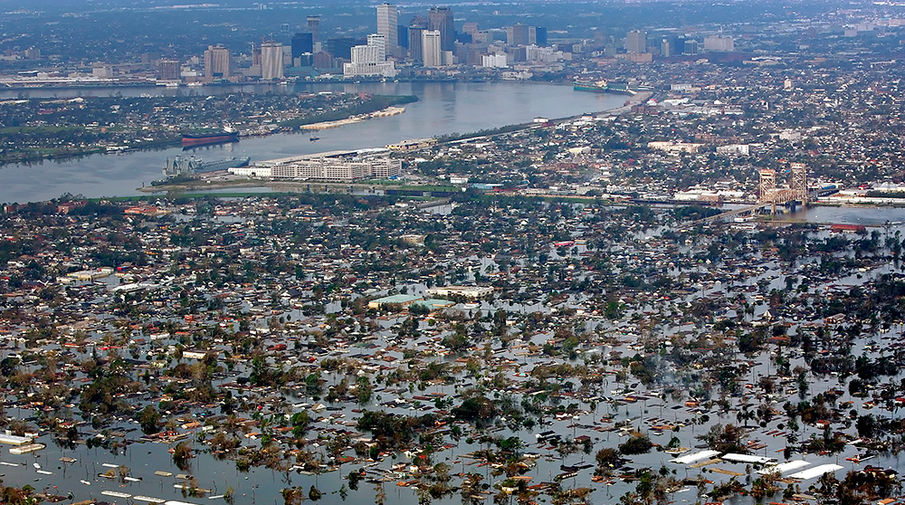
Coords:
pixel 375 104
pixel 293 186
pixel 326 125
pixel 31 144
pixel 441 108
pixel 67 152
pixel 215 185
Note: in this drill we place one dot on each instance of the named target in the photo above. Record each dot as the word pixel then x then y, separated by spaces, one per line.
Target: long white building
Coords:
pixel 332 168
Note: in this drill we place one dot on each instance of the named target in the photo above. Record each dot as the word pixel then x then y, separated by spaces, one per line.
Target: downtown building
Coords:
pixel 168 70
pixel 370 59
pixel 440 19
pixel 416 31
pixel 387 19
pixel 719 44
pixel 216 63
pixel 636 42
pixel 302 49
pixel 271 61
pixel 432 52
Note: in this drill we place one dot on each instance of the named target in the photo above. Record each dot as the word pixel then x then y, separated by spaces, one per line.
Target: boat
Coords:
pixel 209 137
pixel 603 86
pixel 182 166
pixel 314 139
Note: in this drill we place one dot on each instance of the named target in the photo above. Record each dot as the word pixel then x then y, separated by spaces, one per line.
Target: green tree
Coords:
pixel 149 419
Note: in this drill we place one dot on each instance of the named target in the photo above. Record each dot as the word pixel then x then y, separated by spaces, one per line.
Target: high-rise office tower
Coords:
pixel 402 32
pixel 518 35
pixel 690 47
pixel 168 70
pixel 441 19
pixel 216 62
pixel 416 29
pixel 302 43
pixel 386 25
pixel 255 55
pixel 636 42
pixel 667 48
pixel 432 48
pixel 271 60
pixel 540 35
pixel 314 28
pixel 416 50
pixel 340 47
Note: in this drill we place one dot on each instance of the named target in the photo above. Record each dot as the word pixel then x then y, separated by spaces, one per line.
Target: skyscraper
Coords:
pixel 441 20
pixel 636 42
pixel 386 26
pixel 402 32
pixel 168 70
pixel 518 35
pixel 314 28
pixel 432 48
pixel 667 48
pixel 719 43
pixel 540 35
pixel 302 43
pixel 216 62
pixel 690 47
pixel 416 29
pixel 340 47
pixel 416 51
pixel 271 60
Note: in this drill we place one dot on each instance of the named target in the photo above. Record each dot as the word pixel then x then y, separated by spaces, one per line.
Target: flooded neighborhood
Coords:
pixel 275 349
pixel 525 252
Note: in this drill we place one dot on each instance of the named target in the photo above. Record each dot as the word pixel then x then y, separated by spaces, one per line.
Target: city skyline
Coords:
pixel 567 253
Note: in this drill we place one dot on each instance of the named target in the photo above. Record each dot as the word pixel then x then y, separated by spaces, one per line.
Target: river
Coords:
pixel 442 108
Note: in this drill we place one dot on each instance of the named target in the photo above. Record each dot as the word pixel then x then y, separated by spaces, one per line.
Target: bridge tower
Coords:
pixel 798 183
pixel 768 188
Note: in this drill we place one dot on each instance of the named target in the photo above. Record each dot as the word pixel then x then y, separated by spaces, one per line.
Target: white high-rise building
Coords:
pixel 387 19
pixel 636 42
pixel 719 43
pixel 271 60
pixel 370 59
pixel 378 41
pixel 431 48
